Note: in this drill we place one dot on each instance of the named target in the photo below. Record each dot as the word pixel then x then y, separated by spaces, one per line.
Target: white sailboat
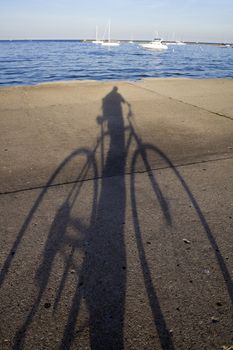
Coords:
pixel 176 42
pixel 131 40
pixel 180 43
pixel 96 41
pixel 109 42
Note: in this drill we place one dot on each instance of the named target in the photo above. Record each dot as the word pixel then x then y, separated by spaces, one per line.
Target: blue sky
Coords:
pixel 198 20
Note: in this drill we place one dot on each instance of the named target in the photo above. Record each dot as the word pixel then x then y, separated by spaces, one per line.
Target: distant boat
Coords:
pixel 179 43
pixel 96 41
pixel 156 44
pixel 109 42
pixel 173 41
pixel 131 40
pixel 225 45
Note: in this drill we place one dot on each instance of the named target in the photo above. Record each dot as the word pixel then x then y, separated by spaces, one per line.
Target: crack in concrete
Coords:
pixel 183 102
pixel 101 177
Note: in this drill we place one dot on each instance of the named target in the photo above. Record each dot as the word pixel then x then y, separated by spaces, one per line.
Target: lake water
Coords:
pixel 33 62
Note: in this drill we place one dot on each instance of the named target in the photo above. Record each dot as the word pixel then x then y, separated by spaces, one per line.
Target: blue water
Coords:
pixel 33 62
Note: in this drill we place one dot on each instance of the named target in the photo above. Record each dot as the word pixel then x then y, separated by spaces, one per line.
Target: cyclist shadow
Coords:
pixel 104 270
pixel 103 273
pixel 102 277
pixel 101 281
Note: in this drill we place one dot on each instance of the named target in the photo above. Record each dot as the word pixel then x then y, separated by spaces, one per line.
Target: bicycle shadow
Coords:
pixel 101 282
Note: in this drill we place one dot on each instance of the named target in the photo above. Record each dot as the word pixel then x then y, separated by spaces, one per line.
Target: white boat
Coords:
pixel 180 43
pixel 106 43
pixel 131 40
pixel 96 41
pixel 109 42
pixel 156 44
pixel 225 45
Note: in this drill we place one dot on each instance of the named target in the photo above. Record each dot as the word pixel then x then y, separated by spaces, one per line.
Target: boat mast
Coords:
pixel 109 26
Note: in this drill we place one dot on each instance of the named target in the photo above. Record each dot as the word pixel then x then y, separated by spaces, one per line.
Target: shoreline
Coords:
pixel 121 40
pixel 87 81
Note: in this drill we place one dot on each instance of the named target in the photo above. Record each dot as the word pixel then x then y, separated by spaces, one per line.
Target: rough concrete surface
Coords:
pixel 117 215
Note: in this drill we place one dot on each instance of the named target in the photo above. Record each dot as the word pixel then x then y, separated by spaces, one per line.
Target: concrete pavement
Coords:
pixel 117 215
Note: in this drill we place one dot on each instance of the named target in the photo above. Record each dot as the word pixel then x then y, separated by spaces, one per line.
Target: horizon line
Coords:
pixel 134 40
